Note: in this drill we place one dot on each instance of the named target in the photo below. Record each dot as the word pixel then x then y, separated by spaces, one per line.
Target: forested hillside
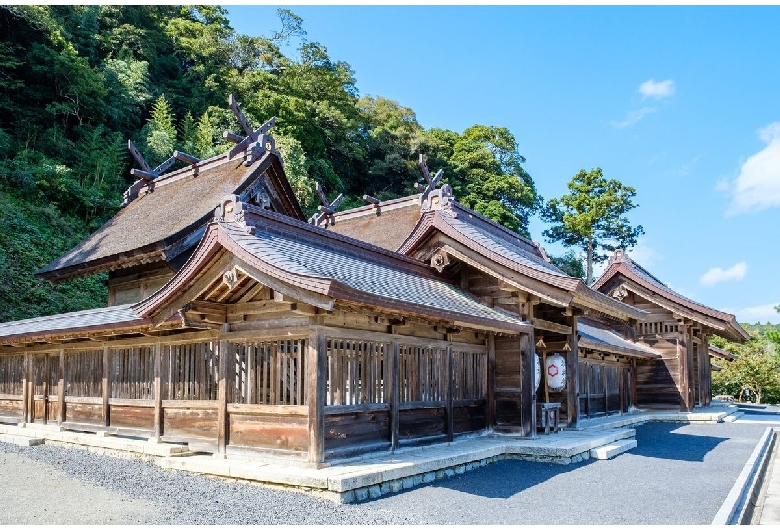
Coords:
pixel 78 81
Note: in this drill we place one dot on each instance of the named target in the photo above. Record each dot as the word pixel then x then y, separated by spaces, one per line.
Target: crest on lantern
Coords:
pixel 555 369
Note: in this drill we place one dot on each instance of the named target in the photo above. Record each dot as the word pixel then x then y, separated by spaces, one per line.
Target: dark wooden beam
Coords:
pixel 186 158
pixel 138 156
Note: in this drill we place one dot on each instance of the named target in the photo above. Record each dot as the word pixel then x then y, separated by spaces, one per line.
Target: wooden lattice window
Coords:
pixel 11 374
pixel 421 374
pixel 84 373
pixel 190 371
pixel 132 373
pixel 469 375
pixel 270 372
pixel 356 372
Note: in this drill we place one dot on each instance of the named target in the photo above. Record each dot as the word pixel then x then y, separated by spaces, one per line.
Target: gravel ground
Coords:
pixel 679 474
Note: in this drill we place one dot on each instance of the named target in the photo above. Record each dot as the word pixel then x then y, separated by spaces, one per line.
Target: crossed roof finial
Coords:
pixel 433 197
pixel 256 142
pixel 327 210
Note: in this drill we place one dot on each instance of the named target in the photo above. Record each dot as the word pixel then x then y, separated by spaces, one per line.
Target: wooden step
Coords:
pixel 605 452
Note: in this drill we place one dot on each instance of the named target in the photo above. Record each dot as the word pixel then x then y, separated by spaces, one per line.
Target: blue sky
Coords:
pixel 683 103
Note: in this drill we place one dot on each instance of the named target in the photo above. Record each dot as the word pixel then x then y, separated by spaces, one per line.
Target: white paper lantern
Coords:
pixel 537 372
pixel 555 368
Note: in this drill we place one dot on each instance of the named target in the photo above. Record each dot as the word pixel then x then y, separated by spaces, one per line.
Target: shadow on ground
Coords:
pixel 658 440
pixel 509 478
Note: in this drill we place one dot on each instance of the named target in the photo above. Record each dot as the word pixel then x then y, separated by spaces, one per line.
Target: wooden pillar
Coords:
pixel 573 377
pixel 316 379
pixel 46 377
pixel 527 394
pixel 394 389
pixel 448 387
pixel 222 390
pixel 26 389
pixel 158 410
pixel 633 382
pixel 106 386
pixel 61 389
pixel 705 346
pixel 683 355
pixel 491 381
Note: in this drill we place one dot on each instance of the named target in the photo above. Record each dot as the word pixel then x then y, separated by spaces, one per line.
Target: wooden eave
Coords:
pixel 218 251
pixel 557 290
pixel 717 320
pixel 587 343
pixel 645 290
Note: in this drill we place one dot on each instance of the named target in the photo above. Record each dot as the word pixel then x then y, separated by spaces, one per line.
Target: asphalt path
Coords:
pixel 678 474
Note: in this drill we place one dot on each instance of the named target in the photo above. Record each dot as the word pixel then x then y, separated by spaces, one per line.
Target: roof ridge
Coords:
pixel 342 239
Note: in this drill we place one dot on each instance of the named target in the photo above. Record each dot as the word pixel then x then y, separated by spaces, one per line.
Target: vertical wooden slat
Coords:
pixel 572 374
pixel 158 411
pixel 682 354
pixel 25 389
pixel 392 373
pixel 299 344
pixel 106 386
pixel 61 389
pixel 316 372
pixel 46 379
pixel 222 417
pixel 448 389
pixel 491 380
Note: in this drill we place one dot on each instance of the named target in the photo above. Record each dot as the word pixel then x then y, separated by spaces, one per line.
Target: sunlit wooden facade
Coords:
pixel 234 325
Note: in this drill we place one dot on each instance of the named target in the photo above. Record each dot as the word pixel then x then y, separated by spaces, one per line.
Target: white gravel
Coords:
pixel 679 474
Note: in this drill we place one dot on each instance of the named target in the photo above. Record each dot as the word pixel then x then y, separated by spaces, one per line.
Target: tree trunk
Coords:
pixel 589 275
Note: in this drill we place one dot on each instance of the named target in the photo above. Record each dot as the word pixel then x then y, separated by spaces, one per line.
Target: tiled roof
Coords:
pixel 598 338
pixel 178 206
pixel 620 263
pixel 721 353
pixel 512 247
pixel 339 260
pixel 114 316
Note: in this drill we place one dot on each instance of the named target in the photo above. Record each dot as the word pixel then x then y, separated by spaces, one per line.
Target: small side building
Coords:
pixel 678 328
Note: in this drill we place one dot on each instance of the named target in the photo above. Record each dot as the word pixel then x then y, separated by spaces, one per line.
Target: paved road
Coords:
pixel 679 474
pixel 768 506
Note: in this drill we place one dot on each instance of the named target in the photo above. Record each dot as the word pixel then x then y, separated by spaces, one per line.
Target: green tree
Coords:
pixel 755 369
pixel 592 217
pixel 159 133
pixel 489 177
pixel 570 263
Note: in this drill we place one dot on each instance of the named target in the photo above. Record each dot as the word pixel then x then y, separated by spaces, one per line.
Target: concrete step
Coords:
pixel 24 441
pixel 605 452
pixel 733 416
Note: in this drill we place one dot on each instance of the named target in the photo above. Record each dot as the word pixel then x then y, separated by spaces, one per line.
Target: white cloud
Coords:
pixel 644 254
pixel 632 117
pixel 717 275
pixel 656 89
pixel 758 185
pixel 759 313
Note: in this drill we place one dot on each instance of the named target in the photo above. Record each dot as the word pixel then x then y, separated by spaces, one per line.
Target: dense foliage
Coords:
pixel 755 374
pixel 79 81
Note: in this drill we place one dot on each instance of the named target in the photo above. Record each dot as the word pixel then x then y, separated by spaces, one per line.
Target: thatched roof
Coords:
pixel 164 221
